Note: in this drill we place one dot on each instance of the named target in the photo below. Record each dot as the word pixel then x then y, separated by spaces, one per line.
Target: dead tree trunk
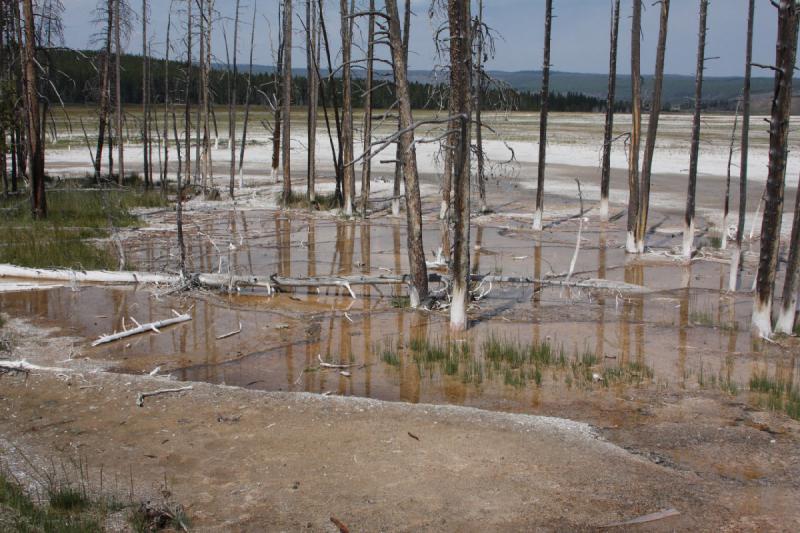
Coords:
pixel 460 70
pixel 398 168
pixel 349 177
pixel 366 167
pixel 726 207
pixel 179 202
pixel 636 126
pixel 416 251
pixel 247 102
pixel 539 213
pixel 118 91
pixel 286 101
pixel 791 284
pixel 736 252
pixel 35 141
pixel 786 51
pixel 166 109
pixel 478 82
pixel 652 130
pixel 104 92
pixel 605 173
pixel 688 223
pixel 312 60
pixel 276 127
pixel 208 177
pixel 145 100
pixel 234 74
pixel 187 106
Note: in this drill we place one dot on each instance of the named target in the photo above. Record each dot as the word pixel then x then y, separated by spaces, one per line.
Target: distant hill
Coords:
pixel 678 89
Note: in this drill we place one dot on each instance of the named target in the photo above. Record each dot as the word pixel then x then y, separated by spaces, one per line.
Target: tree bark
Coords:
pixel 349 177
pixel 416 250
pixel 233 73
pixel 652 129
pixel 35 141
pixel 145 100
pixel 726 207
pixel 460 86
pixel 786 51
pixel 636 126
pixel 104 93
pixel 286 101
pixel 247 102
pixel 791 284
pixel 478 83
pixel 398 168
pixel 187 105
pixel 688 223
pixel 539 213
pixel 276 127
pixel 166 109
pixel 366 166
pixel 736 252
pixel 605 174
pixel 118 91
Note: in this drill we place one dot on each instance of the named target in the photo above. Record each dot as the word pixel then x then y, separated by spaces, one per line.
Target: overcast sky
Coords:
pixel 580 32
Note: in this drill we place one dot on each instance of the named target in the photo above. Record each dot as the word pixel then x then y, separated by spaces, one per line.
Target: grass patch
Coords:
pixel 73 217
pixel 299 200
pixel 781 395
pixel 401 302
pixel 629 373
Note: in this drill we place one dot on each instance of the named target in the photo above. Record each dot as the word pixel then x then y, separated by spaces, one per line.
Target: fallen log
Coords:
pixel 142 328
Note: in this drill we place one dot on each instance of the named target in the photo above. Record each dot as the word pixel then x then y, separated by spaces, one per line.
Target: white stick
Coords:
pixel 142 395
pixel 152 326
pixel 231 334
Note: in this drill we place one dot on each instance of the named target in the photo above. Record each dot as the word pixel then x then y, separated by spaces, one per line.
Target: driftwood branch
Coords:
pixel 142 395
pixel 142 328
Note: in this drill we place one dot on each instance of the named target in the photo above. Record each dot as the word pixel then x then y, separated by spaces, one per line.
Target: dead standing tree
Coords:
pixel 349 178
pixel 145 100
pixel 545 93
pixel 460 72
pixel 366 167
pixel 788 311
pixel 35 141
pixel 118 91
pixel 105 76
pixel 480 38
pixel 416 250
pixel 652 130
pixel 247 100
pixel 398 168
pixel 688 222
pixel 312 60
pixel 233 75
pixel 636 126
pixel 605 173
pixel 786 52
pixel 286 102
pixel 736 251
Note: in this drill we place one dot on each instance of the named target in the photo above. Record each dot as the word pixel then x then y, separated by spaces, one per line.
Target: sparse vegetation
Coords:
pixel 781 394
pixel 299 200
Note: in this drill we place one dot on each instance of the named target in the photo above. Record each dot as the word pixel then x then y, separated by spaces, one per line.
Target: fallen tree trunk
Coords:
pixel 143 328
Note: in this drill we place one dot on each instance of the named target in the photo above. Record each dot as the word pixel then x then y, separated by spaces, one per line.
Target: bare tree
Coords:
pixel 276 103
pixel 349 178
pixel 286 101
pixel 187 104
pixel 605 174
pixel 736 251
pixel 652 130
pixel 118 92
pixel 688 223
pixel 104 90
pixel 416 250
pixel 479 36
pixel 35 141
pixel 460 70
pixel 166 107
pixel 788 311
pixel 366 167
pixel 233 76
pixel 545 97
pixel 312 32
pixel 398 168
pixel 247 101
pixel 726 207
pixel 145 100
pixel 786 52
pixel 636 126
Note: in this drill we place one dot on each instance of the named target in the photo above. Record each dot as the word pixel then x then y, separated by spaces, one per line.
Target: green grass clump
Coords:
pixel 67 512
pixel 299 200
pixel 74 216
pixel 630 373
pixel 781 395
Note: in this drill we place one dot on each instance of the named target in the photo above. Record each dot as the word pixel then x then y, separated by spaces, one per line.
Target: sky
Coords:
pixel 580 33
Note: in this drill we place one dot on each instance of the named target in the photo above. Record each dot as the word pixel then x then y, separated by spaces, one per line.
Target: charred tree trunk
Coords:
pixel 788 311
pixel 636 126
pixel 35 141
pixel 478 82
pixel 539 213
pixel 187 107
pixel 166 110
pixel 416 251
pixel 366 167
pixel 118 91
pixel 398 168
pixel 786 51
pixel 688 222
pixel 349 177
pixel 460 70
pixel 286 101
pixel 233 73
pixel 104 93
pixel 652 130
pixel 145 101
pixel 276 127
pixel 605 174
pixel 312 60
pixel 247 102
pixel 736 252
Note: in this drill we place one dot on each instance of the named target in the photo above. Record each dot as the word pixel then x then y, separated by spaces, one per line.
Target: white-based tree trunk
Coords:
pixel 688 240
pixel 723 240
pixel 537 220
pixel 604 209
pixel 630 242
pixel 396 207
pixel 786 316
pixel 762 317
pixel 443 210
pixel 458 309
pixel 733 277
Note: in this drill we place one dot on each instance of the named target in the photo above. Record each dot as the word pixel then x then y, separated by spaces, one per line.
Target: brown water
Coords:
pixel 687 335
